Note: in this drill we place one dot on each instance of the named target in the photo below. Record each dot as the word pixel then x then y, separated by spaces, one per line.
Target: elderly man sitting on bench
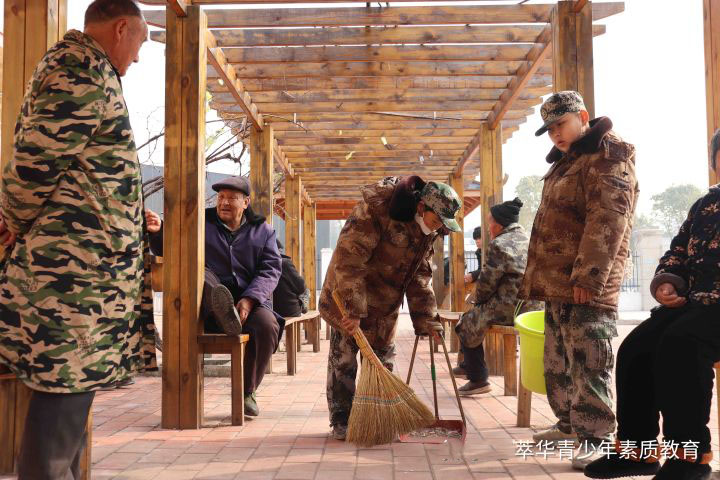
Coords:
pixel 242 268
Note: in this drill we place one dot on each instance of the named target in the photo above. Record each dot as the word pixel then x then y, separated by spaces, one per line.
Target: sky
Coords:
pixel 649 79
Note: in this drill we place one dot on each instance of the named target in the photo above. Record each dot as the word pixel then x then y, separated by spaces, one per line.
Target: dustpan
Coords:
pixel 441 430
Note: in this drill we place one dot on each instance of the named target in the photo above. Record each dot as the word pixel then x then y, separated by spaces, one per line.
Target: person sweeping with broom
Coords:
pixel 383 253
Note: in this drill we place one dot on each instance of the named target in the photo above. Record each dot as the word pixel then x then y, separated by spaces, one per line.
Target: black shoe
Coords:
pixel 223 309
pixel 615 467
pixel 474 388
pixel 675 469
pixel 251 406
pixel 459 372
pixel 125 383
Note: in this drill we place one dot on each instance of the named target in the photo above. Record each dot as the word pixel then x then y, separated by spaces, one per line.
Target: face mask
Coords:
pixel 423 227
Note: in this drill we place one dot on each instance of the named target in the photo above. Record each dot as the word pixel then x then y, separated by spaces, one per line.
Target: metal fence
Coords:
pixel 471 262
pixel 631 282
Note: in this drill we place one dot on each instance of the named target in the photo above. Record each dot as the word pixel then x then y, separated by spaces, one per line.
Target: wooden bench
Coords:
pixel 293 343
pixel 14 402
pixel 235 346
pixel 500 350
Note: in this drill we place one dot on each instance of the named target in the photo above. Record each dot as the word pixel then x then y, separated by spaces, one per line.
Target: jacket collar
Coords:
pixel 76 36
pixel 510 228
pixel 591 142
pixel 404 198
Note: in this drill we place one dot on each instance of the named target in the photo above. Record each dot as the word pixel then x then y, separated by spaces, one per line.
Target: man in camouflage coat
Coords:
pixel 75 309
pixel 496 293
pixel 576 262
pixel 383 253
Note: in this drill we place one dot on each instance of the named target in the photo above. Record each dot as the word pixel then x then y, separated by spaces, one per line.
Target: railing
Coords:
pixel 631 282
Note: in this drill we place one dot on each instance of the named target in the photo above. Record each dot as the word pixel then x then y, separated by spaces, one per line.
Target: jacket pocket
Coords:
pixel 615 194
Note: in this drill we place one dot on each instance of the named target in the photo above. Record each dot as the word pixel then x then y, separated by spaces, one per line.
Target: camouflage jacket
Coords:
pixel 693 262
pixel 382 254
pixel 75 309
pixel 581 233
pixel 496 291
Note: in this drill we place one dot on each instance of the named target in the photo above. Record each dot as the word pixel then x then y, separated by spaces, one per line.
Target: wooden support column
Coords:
pixel 309 253
pixel 457 261
pixel 293 212
pixel 490 177
pixel 711 10
pixel 572 45
pixel 261 171
pixel 184 239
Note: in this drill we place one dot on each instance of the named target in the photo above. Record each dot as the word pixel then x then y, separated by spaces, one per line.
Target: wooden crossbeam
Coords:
pixel 458 117
pixel 375 153
pixel 282 159
pixel 579 5
pixel 340 17
pixel 371 140
pixel 351 132
pixel 402 35
pixel 376 147
pixel 177 6
pixel 320 127
pixel 233 84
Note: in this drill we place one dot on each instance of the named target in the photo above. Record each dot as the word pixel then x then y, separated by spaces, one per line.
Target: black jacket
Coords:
pixel 291 285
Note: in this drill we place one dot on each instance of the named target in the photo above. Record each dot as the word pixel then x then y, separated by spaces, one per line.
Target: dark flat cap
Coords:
pixel 241 184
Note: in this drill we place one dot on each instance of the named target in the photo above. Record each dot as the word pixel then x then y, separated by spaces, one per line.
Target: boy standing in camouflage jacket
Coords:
pixel 383 254
pixel 665 365
pixel 576 262
pixel 75 310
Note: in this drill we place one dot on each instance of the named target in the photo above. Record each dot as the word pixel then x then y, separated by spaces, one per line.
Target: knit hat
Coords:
pixel 477 233
pixel 714 147
pixel 507 212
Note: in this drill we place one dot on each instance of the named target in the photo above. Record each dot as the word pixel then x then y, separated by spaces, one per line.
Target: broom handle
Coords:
pixel 359 336
pixel 412 359
pixel 432 374
pixel 452 377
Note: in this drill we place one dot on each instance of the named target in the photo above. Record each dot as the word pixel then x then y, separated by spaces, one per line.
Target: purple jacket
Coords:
pixel 249 264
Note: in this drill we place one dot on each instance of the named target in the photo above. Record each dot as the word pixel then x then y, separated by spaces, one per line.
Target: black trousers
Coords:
pixel 261 325
pixel 665 365
pixel 54 434
pixel 474 363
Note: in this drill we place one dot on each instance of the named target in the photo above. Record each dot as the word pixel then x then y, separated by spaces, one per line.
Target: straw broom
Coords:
pixel 384 407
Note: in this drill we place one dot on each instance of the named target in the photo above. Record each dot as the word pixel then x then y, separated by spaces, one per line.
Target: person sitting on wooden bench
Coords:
pixel 665 365
pixel 477 237
pixel 496 293
pixel 242 268
pixel 291 296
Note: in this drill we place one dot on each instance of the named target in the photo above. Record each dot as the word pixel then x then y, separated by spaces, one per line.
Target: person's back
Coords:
pixel 286 297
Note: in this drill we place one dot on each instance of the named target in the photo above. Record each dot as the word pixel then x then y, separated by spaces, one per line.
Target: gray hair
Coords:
pixel 105 10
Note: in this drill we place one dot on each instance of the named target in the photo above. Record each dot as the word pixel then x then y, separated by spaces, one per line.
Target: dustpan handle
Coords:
pixel 452 377
pixel 412 360
pixel 432 374
pixel 359 336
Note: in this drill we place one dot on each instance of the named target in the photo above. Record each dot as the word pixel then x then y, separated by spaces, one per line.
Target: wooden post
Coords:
pixel 490 177
pixel 261 172
pixel 293 210
pixel 31 28
pixel 711 10
pixel 572 45
pixel 184 239
pixel 457 261
pixel 309 249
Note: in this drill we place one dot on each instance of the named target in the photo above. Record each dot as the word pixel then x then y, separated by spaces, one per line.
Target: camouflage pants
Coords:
pixel 578 365
pixel 342 370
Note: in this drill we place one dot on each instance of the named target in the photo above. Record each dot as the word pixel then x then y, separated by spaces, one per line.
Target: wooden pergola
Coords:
pixel 337 98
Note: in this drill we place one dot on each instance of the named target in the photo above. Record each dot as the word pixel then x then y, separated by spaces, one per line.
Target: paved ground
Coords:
pixel 290 438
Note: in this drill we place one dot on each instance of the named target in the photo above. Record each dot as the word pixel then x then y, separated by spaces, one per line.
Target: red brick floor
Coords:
pixel 289 440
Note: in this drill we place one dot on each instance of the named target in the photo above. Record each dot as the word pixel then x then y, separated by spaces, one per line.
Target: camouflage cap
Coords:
pixel 442 199
pixel 557 105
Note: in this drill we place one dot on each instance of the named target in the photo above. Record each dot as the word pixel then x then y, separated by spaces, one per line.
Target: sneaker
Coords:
pixel 251 406
pixel 339 432
pixel 223 309
pixel 459 372
pixel 474 388
pixel 674 469
pixel 553 434
pixel 615 467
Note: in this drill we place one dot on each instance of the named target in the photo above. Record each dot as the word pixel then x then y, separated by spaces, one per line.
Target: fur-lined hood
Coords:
pixel 591 142
pixel 400 195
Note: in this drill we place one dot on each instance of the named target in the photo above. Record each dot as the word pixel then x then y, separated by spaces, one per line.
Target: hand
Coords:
pixel 244 307
pixel 7 238
pixel 436 329
pixel 350 324
pixel 153 221
pixel 468 278
pixel 667 295
pixel 582 295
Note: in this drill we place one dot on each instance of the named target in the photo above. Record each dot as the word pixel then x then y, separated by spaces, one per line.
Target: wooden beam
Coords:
pixel 342 17
pixel 429 115
pixel 517 86
pixel 490 177
pixel 371 140
pixel 403 35
pixel 579 5
pixel 343 150
pixel 261 171
pixel 293 212
pixel 309 254
pixel 282 159
pixel 573 52
pixel 232 83
pixel 184 239
pixel 178 6
pixel 351 127
pixel 457 253
pixel 711 10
